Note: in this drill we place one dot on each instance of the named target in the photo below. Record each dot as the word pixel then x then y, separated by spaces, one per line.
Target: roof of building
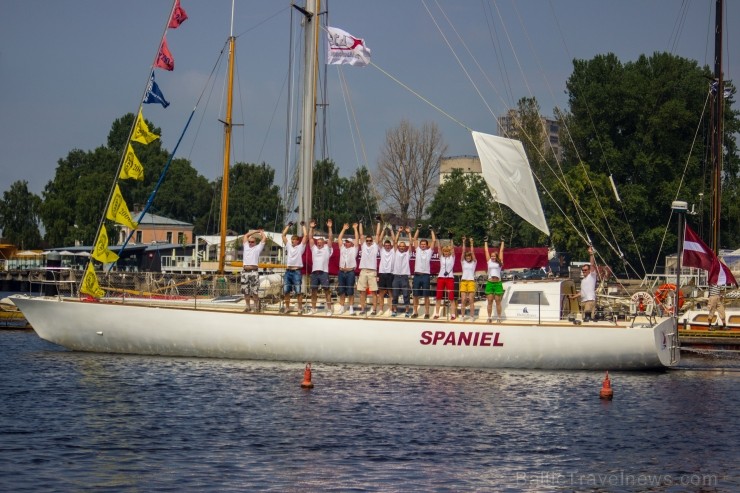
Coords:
pixel 150 219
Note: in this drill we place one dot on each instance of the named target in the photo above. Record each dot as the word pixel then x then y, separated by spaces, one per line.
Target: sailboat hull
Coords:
pixel 132 329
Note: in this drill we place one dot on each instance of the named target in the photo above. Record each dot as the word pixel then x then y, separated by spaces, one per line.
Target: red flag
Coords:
pixel 164 57
pixel 697 254
pixel 178 16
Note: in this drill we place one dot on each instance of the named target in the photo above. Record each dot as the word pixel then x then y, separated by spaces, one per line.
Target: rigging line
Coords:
pixel 288 121
pixel 580 160
pixel 345 96
pixel 538 150
pixel 678 26
pixel 162 175
pixel 272 118
pixel 440 110
pixel 500 60
pixel 210 82
pixel 265 20
pixel 683 175
pixel 598 202
pixel 131 130
pixel 454 54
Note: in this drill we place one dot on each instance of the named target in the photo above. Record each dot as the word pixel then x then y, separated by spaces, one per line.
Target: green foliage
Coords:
pixel 74 201
pixel 344 200
pixel 254 200
pixel 19 216
pixel 636 122
pixel 463 206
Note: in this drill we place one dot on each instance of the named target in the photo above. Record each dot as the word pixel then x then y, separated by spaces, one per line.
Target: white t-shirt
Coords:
pixel 386 261
pixel 252 253
pixel 401 263
pixel 588 287
pixel 422 264
pixel 320 258
pixel 369 259
pixel 347 257
pixel 494 269
pixel 446 264
pixel 468 270
pixel 294 254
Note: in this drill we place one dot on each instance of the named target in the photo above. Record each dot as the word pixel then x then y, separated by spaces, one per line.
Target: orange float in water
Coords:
pixel 307 384
pixel 606 391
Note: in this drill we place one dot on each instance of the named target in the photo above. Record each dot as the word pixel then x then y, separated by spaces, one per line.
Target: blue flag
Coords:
pixel 154 95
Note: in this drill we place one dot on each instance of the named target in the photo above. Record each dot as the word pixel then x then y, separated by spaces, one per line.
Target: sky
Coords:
pixel 69 68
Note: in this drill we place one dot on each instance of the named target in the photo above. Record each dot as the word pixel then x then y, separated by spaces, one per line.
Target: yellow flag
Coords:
pixel 132 167
pixel 141 131
pixel 101 252
pixel 90 283
pixel 118 210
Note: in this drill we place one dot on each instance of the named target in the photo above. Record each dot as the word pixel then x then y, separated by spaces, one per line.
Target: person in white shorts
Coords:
pixel 368 268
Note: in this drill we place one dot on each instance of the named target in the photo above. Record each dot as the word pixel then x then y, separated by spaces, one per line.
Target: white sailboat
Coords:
pixel 536 332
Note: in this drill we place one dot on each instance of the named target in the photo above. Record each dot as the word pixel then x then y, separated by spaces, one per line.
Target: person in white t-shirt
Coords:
pixel 446 281
pixel 422 271
pixel 250 280
pixel 321 251
pixel 588 288
pixel 494 283
pixel 293 279
pixel 347 266
pixel 367 281
pixel 467 281
pixel 385 273
pixel 401 273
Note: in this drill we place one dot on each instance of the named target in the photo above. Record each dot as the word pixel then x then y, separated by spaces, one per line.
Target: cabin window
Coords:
pixel 138 237
pixel 528 298
pixel 169 236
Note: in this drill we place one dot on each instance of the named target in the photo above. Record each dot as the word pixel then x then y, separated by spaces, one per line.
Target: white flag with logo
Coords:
pixel 345 49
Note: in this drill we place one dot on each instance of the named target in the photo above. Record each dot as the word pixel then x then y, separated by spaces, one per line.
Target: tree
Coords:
pixel 408 169
pixel 636 122
pixel 254 199
pixel 463 206
pixel 344 200
pixel 74 201
pixel 19 216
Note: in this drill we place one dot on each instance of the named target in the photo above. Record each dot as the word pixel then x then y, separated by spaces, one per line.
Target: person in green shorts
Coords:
pixel 494 286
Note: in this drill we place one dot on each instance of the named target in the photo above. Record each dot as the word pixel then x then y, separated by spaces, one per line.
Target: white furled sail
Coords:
pixel 507 173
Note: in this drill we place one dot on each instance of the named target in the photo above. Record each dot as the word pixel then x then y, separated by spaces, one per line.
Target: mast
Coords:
pixel 308 122
pixel 716 141
pixel 227 147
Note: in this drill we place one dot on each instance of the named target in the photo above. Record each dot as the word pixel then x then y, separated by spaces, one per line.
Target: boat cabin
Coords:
pixel 539 301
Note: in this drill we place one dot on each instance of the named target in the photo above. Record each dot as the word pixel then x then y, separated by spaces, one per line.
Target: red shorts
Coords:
pixel 448 284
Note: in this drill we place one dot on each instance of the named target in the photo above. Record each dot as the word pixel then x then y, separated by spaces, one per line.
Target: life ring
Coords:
pixel 642 303
pixel 663 294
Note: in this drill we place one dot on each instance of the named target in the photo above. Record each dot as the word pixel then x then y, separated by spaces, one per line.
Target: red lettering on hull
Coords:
pixel 452 338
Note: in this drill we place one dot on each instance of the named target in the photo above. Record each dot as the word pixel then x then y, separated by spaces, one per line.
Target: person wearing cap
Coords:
pixel 293 279
pixel 347 266
pixel 321 251
pixel 250 281
pixel 422 271
pixel 401 273
pixel 368 268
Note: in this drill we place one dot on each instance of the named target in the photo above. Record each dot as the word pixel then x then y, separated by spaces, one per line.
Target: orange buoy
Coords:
pixel 307 384
pixel 606 391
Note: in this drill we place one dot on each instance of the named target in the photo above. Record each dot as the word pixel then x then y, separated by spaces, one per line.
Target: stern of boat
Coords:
pixel 667 343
